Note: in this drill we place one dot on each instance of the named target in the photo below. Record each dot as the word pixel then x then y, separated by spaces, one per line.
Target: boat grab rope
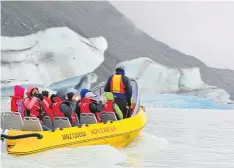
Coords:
pixel 39 136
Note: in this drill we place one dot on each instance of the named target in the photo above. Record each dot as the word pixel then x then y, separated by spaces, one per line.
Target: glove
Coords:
pixel 39 96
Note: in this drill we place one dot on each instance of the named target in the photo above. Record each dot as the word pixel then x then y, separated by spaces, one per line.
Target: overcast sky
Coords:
pixel 202 29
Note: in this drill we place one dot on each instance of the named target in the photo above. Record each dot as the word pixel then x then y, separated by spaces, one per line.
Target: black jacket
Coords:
pixel 66 108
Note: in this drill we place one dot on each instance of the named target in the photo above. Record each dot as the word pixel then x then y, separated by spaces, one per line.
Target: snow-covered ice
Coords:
pixel 59 58
pixel 49 56
pixel 155 78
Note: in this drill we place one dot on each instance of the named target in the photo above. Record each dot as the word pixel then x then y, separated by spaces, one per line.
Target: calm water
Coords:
pixel 172 138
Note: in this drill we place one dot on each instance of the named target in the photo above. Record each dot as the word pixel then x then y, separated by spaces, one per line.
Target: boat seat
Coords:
pixel 32 124
pixel 12 120
pixel 47 122
pixel 61 122
pixel 88 118
pixel 108 116
pixel 77 120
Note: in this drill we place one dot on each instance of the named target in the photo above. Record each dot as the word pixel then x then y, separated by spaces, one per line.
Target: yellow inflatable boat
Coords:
pixel 115 133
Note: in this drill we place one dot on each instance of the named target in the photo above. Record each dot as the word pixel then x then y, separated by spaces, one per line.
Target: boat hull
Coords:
pixel 117 134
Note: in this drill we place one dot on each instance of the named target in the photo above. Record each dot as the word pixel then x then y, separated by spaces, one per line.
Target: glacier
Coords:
pixel 59 59
pixel 49 56
pixel 155 78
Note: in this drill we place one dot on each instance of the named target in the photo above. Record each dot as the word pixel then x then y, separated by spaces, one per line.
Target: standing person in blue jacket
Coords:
pixel 120 86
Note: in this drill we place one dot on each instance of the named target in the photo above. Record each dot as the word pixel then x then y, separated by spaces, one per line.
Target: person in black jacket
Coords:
pixel 73 98
pixel 120 86
pixel 65 107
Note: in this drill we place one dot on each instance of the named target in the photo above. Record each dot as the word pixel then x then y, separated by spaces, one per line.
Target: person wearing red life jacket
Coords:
pixel 45 94
pixel 87 104
pixel 109 105
pixel 63 108
pixel 17 103
pixel 49 110
pixel 35 103
pixel 52 99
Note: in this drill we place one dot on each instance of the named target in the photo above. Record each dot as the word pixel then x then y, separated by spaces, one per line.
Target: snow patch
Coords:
pixel 155 78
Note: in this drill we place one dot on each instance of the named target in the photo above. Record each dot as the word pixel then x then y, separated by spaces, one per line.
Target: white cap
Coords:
pixel 90 94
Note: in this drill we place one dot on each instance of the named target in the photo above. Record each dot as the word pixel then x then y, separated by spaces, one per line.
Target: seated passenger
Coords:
pixel 45 94
pixel 87 104
pixel 52 99
pixel 17 103
pixel 49 110
pixel 35 104
pixel 73 98
pixel 109 105
pixel 63 108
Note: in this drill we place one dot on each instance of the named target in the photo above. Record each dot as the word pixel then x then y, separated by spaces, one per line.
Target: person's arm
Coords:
pixel 77 110
pixel 95 107
pixel 67 110
pixel 107 86
pixel 128 89
pixel 45 103
pixel 29 103
pixel 118 111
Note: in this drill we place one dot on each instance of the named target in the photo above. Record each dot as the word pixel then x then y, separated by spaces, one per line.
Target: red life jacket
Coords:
pixel 48 101
pixel 13 103
pixel 84 105
pixel 56 109
pixel 59 113
pixel 84 108
pixel 36 110
pixel 108 107
pixel 49 110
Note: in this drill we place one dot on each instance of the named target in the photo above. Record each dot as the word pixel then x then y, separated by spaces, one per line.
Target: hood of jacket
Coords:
pixel 19 91
pixel 29 90
pixel 107 96
pixel 61 95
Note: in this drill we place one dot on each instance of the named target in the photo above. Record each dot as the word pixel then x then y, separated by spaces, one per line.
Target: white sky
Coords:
pixel 202 29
